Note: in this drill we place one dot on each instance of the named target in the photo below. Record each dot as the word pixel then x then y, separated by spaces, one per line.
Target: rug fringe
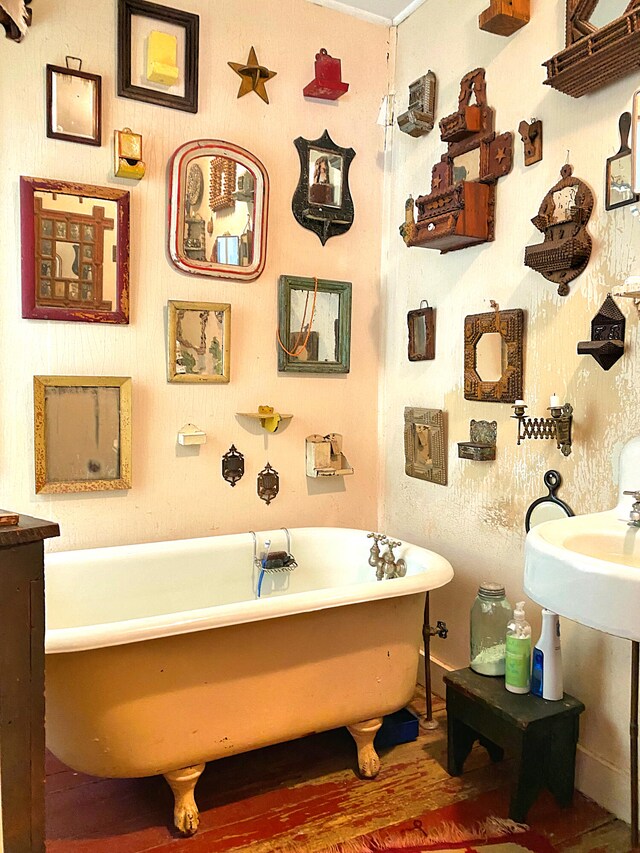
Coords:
pixel 447 832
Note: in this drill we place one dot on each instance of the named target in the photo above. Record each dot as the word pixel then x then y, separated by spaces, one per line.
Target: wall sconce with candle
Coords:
pixel 557 426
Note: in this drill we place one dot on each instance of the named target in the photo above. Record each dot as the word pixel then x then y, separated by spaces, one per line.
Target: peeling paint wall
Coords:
pixel 477 521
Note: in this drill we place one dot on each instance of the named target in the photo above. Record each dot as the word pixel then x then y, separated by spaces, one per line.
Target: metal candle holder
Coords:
pixel 557 426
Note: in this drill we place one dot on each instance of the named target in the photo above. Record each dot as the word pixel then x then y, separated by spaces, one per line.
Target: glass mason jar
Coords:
pixel 490 614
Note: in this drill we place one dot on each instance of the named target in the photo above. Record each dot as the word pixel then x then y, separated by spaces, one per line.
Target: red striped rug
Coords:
pixel 493 835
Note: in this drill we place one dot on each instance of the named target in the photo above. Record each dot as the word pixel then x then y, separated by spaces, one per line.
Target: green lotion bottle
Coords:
pixel 517 676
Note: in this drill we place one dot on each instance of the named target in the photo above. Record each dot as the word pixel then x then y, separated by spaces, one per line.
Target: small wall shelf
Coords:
pixel 269 419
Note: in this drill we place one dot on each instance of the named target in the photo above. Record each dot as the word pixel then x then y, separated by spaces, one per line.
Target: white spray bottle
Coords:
pixel 546 673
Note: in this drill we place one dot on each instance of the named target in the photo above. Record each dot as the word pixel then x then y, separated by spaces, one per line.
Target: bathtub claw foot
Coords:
pixel 363 733
pixel 183 782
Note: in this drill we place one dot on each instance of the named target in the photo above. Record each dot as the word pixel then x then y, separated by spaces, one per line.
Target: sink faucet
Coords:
pixel 634 515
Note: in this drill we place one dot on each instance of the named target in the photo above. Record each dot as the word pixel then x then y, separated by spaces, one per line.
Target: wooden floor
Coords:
pixel 305 795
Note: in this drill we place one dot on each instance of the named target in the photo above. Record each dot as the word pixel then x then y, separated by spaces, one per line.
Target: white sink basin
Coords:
pixel 607 545
pixel 587 568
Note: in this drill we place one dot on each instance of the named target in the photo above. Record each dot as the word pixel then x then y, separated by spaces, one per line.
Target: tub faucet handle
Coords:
pixel 634 514
pixel 374 553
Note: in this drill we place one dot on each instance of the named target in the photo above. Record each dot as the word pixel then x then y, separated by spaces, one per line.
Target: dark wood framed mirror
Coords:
pixel 322 201
pixel 422 333
pixel 493 356
pixel 74 105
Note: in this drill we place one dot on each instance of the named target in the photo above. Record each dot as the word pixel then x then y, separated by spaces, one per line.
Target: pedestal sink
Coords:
pixel 587 568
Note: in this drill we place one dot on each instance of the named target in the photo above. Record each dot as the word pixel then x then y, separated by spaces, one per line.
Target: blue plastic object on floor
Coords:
pixel 400 727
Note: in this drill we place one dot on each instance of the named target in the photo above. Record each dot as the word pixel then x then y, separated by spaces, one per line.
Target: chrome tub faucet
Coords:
pixel 634 514
pixel 386 565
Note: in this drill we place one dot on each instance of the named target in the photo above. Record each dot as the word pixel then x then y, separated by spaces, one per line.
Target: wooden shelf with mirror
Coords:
pixel 460 209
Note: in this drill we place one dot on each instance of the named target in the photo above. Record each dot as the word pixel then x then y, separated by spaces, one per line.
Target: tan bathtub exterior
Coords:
pixel 168 705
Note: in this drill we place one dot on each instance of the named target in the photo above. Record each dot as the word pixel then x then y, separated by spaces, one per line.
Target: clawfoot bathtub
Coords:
pixel 155 651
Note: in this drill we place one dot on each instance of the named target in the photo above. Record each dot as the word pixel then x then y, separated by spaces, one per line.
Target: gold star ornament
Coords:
pixel 253 76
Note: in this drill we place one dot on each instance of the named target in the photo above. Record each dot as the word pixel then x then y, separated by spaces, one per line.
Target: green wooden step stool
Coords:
pixel 541 735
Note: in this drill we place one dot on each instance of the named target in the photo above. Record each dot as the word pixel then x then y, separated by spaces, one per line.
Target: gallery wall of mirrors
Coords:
pixel 75 237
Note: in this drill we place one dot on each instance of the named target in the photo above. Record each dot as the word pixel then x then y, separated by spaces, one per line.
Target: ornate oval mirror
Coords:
pixel 550 507
pixel 218 203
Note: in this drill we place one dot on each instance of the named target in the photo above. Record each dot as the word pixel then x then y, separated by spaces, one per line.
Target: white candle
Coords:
pixel 554 401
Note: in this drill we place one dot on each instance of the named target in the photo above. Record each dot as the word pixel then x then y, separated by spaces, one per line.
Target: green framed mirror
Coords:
pixel 314 325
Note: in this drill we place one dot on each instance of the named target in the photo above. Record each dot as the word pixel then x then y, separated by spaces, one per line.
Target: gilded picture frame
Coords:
pixel 82 433
pixel 199 341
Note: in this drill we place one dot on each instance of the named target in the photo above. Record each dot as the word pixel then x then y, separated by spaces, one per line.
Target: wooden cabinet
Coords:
pixel 22 740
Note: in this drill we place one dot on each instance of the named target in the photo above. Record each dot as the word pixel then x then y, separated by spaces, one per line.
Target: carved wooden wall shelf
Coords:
pixel 460 209
pixel 562 218
pixel 595 56
pixel 505 17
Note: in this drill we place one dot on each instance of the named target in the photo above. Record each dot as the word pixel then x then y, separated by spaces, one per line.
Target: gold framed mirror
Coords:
pixel 82 433
pixel 199 344
pixel 493 356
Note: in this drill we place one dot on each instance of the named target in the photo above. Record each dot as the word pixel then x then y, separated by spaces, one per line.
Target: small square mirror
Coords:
pixel 74 105
pixel 422 334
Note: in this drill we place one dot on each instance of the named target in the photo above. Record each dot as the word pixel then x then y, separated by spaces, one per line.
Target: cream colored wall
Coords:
pixel 179 492
pixel 477 520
